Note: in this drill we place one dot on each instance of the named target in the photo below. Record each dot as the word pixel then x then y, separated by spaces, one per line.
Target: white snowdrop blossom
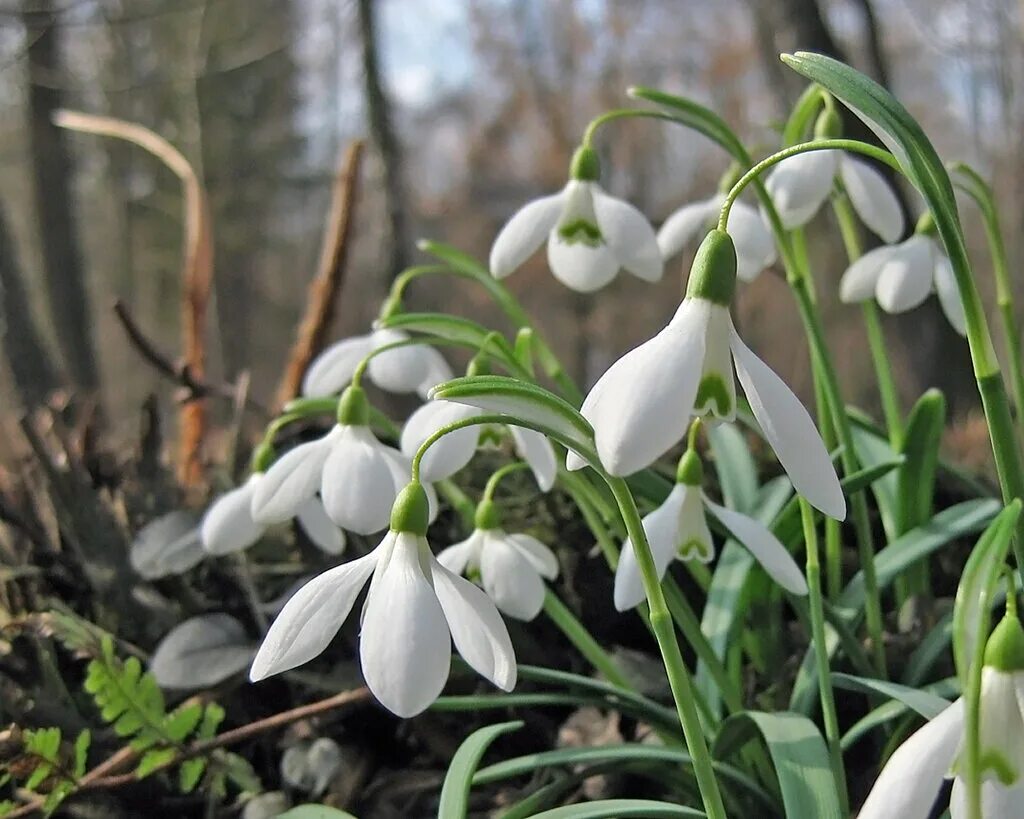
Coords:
pixel 642 406
pixel 357 476
pixel 679 529
pixel 511 567
pixel 228 525
pixel 755 246
pixel 415 368
pixel 800 185
pixel 902 276
pixel 912 778
pixel 590 235
pixel 452 452
pixel 414 610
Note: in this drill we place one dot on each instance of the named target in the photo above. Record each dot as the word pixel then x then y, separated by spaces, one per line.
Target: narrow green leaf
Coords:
pixel 800 125
pixel 800 756
pixel 620 809
pixel 42 770
pixel 181 722
pixel 915 481
pixel 926 704
pixel 82 751
pixel 932 647
pixel 735 467
pixel 458 780
pixel 190 772
pixel 893 709
pixel 461 331
pixel 315 812
pixel 873 449
pixel 697 117
pixel 152 760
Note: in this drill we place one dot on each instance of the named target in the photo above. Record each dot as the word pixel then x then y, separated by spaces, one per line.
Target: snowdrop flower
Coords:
pixel 511 567
pixel 415 368
pixel 678 529
pixel 902 276
pixel 449 454
pixel 228 525
pixel 642 405
pixel 755 246
pixel 356 475
pixel 414 610
pixel 590 235
pixel 911 779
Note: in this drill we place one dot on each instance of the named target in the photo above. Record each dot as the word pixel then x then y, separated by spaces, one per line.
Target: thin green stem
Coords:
pixel 498 475
pixel 584 641
pixel 817 614
pixel 622 113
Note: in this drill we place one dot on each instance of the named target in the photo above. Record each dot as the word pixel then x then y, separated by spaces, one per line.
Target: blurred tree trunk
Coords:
pixel 879 64
pixel 382 133
pixel 63 275
pixel 29 363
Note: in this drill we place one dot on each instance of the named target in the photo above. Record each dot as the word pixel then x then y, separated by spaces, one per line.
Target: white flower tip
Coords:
pixel 423 244
pixel 573 462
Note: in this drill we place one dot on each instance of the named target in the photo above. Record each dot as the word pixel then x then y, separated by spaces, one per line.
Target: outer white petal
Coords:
pixel 1001 726
pixel 755 245
pixel 227 525
pixel 404 646
pixel 291 480
pixel 764 546
pixel 685 226
pixel 537 451
pixel 477 629
pixel 800 185
pixel 629 236
pixel 325 534
pixel 401 471
pixel 436 371
pixel 861 278
pixel 949 293
pixel 524 233
pixel 464 556
pixel 509 578
pixel 790 431
pixel 452 452
pixel 311 617
pixel 662 529
pixel 581 267
pixel 692 527
pixel 996 801
pixel 906 277
pixel 573 461
pixel 908 784
pixel 403 369
pixel 357 489
pixel 331 371
pixel 642 405
pixel 872 198
pixel 539 555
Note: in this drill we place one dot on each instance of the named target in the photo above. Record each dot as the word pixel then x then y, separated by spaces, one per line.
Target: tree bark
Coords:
pixel 63 274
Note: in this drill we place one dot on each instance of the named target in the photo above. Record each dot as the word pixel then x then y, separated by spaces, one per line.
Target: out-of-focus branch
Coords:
pixel 197 269
pixel 323 291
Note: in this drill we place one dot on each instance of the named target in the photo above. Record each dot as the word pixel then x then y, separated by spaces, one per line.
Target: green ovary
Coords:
pixel 695 549
pixel 714 395
pixel 581 232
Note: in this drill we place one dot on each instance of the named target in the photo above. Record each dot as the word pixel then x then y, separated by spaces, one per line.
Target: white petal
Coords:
pixel 401 472
pixel 800 185
pixel 906 277
pixel 524 233
pixel 404 646
pixel 539 555
pixel 717 370
pixel 789 429
pixel 465 556
pixel 872 198
pixel 997 801
pixel 357 489
pixel 949 292
pixel 764 546
pixel 692 536
pixel 403 369
pixel 436 370
pixel 509 579
pixel 311 618
pixel 325 534
pixel 629 235
pixel 452 452
pixel 573 461
pixel 537 451
pixel 1001 726
pixel 861 278
pixel 477 629
pixel 331 371
pixel 686 225
pixel 642 405
pixel 662 529
pixel 291 480
pixel 228 525
pixel 580 266
pixel 755 245
pixel 911 779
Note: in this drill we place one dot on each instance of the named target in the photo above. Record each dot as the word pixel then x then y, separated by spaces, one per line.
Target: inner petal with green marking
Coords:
pixel 581 231
pixel 714 396
pixel 696 549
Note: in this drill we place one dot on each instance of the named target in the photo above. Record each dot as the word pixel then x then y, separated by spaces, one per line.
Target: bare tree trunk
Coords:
pixel 382 133
pixel 67 295
pixel 30 365
pixel 879 65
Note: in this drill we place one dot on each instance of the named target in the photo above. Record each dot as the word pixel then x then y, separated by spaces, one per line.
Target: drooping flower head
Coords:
pixel 900 277
pixel 678 529
pixel 643 404
pixel 414 611
pixel 590 235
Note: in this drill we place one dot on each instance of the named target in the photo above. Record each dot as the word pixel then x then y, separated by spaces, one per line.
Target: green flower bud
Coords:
pixel 1005 648
pixel 713 274
pixel 488 516
pixel 262 457
pixel 690 470
pixel 585 166
pixel 925 224
pixel 353 407
pixel 829 125
pixel 478 365
pixel 411 512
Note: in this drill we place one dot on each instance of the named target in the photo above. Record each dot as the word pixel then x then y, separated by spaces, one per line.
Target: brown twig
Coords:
pixel 323 290
pixel 197 268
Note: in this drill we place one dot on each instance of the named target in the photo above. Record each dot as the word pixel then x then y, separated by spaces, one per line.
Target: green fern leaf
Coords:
pixel 183 721
pixel 190 773
pixel 152 760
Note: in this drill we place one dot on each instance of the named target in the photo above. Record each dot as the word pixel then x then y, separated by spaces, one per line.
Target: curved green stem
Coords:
pixel 622 113
pixel 498 475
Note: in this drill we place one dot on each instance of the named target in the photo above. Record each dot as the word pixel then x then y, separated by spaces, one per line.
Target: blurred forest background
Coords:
pixel 469 108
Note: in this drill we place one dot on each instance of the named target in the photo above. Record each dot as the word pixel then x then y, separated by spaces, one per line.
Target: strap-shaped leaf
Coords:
pixel 620 809
pixel 697 117
pixel 457 782
pixel 928 705
pixel 457 330
pixel 915 482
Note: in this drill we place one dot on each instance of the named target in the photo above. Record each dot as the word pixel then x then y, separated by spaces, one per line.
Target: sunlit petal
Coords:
pixel 227 525
pixel 331 371
pixel 509 579
pixel 291 480
pixel 325 534
pixel 524 233
pixel 357 489
pixel 537 451
pixel 540 556
pixel 800 185
pixel 861 278
pixel 686 225
pixel 949 292
pixel 872 198
pixel 448 455
pixel 905 279
pixel 629 235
